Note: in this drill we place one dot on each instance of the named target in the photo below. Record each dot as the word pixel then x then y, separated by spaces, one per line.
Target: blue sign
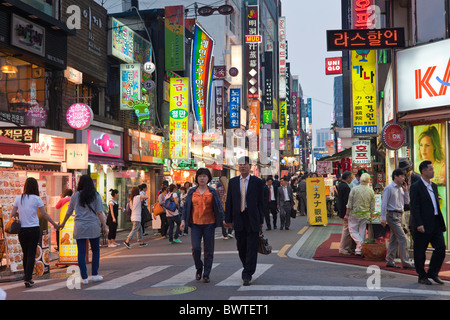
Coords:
pixel 235 108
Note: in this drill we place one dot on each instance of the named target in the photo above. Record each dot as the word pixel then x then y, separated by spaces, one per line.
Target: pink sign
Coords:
pixel 79 116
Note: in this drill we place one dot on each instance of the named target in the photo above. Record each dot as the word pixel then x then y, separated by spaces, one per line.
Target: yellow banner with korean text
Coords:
pixel 179 133
pixel 364 92
pixel 316 201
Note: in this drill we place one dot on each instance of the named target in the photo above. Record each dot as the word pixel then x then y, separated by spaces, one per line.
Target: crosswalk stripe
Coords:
pixel 181 278
pixel 236 278
pixel 127 279
pixel 19 284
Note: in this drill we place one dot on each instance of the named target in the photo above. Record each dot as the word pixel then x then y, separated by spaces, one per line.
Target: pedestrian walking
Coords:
pixel 272 204
pixel 173 216
pixel 427 225
pixel 285 202
pixel 88 206
pixel 356 181
pixel 222 191
pixel 163 216
pixel 347 245
pixel 112 218
pixel 203 212
pixel 144 210
pixel 393 200
pixel 25 208
pixel 245 211
pixel 136 209
pixel 361 198
pixel 302 195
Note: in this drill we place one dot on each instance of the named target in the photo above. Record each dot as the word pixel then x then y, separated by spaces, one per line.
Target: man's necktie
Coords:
pixel 242 195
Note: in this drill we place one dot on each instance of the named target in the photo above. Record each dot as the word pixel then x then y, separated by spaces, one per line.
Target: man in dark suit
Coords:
pixel 347 244
pixel 285 202
pixel 244 209
pixel 427 224
pixel 270 199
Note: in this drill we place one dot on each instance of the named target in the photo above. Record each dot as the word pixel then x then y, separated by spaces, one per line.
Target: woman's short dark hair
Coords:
pixel 203 171
pixel 172 187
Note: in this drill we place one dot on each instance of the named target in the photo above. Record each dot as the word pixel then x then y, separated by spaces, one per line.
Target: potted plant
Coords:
pixel 371 248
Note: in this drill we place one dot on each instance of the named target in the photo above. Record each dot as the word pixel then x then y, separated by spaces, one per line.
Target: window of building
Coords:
pixel 430 20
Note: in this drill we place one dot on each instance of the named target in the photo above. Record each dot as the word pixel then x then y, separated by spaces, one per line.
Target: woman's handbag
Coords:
pixel 263 245
pixel 157 209
pixel 12 226
pixel 145 214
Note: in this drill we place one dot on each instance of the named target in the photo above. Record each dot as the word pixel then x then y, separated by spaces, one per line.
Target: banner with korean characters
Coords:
pixel 364 93
pixel 316 201
pixel 130 85
pixel 179 110
pixel 235 108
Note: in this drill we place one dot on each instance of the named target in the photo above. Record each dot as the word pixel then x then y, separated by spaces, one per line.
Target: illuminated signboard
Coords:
pixel 359 39
pixel 179 110
pixel 22 134
pixel 252 52
pixel 235 108
pixel 253 39
pixel 130 85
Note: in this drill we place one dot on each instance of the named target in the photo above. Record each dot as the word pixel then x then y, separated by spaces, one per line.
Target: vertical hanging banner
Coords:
pixel 130 85
pixel 364 92
pixel 202 48
pixel 283 119
pixel 316 201
pixel 252 52
pixel 174 38
pixel 282 56
pixel 253 121
pixel 179 110
pixel 235 108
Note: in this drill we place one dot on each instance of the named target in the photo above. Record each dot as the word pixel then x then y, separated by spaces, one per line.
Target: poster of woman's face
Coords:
pixel 429 144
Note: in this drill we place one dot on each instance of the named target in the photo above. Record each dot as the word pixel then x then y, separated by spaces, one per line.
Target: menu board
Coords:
pixel 68 252
pixel 11 185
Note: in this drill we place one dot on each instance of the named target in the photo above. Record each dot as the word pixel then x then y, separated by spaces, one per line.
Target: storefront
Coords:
pixel 423 75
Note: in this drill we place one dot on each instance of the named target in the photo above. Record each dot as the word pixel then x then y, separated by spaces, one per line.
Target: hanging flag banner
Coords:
pixel 179 110
pixel 202 49
pixel 364 93
pixel 235 108
pixel 174 37
pixel 252 53
pixel 316 201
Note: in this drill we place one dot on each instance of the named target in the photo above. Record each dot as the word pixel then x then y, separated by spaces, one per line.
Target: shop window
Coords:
pixel 22 92
pixel 430 20
pixel 46 6
pixel 90 96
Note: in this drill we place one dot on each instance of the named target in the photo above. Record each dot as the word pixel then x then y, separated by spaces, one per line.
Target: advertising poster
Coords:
pixel 364 92
pixel 174 38
pixel 68 252
pixel 316 201
pixel 179 98
pixel 202 49
pixel 429 144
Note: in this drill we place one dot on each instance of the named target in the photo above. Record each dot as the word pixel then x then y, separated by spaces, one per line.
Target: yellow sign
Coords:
pixel 283 119
pixel 364 92
pixel 68 252
pixel 316 201
pixel 179 111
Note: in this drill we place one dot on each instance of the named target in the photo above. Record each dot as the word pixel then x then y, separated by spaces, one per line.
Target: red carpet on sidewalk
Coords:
pixel 329 251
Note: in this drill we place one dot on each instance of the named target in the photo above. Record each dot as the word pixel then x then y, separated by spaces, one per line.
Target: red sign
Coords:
pixel 393 136
pixel 365 39
pixel 361 13
pixel 253 39
pixel 333 65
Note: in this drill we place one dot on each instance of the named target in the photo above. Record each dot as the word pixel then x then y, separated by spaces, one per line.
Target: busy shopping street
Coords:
pixel 263 151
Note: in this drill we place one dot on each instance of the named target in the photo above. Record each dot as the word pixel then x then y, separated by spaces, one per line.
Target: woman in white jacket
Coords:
pixel 136 206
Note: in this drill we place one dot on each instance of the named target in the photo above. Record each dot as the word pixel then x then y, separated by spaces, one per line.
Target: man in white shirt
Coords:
pixel 394 198
pixel 285 201
pixel 271 191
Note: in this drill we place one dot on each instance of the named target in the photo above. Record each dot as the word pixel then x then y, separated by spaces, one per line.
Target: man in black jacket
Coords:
pixel 244 210
pixel 347 245
pixel 427 225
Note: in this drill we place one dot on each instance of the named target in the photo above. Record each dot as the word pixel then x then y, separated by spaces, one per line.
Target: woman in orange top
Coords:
pixel 203 212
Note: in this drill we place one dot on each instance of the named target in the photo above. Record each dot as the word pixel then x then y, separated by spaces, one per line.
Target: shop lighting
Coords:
pixel 7 68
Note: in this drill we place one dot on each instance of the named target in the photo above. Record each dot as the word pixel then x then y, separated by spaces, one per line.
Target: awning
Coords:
pixel 10 146
pixel 338 156
pixel 429 115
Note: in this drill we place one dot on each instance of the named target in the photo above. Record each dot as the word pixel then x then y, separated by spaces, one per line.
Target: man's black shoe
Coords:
pixel 436 279
pixel 425 281
pixel 246 282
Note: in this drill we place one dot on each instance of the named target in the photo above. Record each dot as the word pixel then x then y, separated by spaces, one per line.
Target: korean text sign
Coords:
pixel 235 108
pixel 130 85
pixel 179 98
pixel 364 92
pixel 316 201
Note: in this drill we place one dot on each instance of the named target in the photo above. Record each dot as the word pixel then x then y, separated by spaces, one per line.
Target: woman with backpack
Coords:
pixel 136 206
pixel 203 212
pixel 171 204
